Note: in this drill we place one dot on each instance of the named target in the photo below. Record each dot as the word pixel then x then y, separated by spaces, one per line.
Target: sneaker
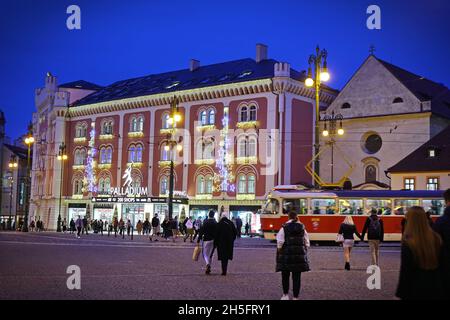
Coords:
pixel 285 297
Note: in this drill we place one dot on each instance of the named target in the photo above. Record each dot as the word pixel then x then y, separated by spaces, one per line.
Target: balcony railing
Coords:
pixel 245 196
pixel 247 160
pixel 135 134
pixel 247 124
pixel 79 140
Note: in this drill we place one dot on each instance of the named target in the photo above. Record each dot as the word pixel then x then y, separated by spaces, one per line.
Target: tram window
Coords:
pixel 401 205
pixel 434 206
pixel 351 206
pixel 383 206
pixel 272 206
pixel 323 206
pixel 298 205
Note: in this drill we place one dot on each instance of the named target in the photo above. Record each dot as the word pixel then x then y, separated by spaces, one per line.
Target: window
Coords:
pixel 433 183
pixel 104 184
pixel 137 124
pixel 211 117
pixel 205 149
pixel 351 206
pixel 166 124
pixel 163 185
pixel 165 154
pixel 371 173
pixel 271 206
pixel 80 156
pixel 251 150
pixel 107 127
pixel 81 131
pixel 346 105
pixel 401 205
pixel 242 147
pixel 135 153
pixel 383 206
pixel 297 205
pixel 397 100
pixel 372 143
pixel 323 206
pixel 431 153
pixel 251 184
pixel 136 183
pixel 209 184
pixel 200 185
pixel 243 114
pixel 252 116
pixel 138 153
pixel 203 119
pixel 409 184
pixel 434 206
pixel 242 184
pixel 247 147
pixel 78 187
pixel 105 155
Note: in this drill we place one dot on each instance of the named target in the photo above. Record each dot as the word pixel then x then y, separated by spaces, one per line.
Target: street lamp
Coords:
pixel 29 140
pixel 62 156
pixel 321 74
pixel 174 118
pixel 12 165
pixel 330 130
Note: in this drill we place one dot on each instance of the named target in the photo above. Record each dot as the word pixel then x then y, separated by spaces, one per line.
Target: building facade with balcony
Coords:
pixel 270 117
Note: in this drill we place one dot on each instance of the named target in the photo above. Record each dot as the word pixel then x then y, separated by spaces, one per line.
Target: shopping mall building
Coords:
pixel 116 136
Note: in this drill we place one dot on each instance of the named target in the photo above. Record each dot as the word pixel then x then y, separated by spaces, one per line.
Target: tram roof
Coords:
pixel 359 193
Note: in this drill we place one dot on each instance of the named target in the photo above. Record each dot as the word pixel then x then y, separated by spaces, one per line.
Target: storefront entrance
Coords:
pixel 76 210
pixel 201 211
pixel 104 212
pixel 248 215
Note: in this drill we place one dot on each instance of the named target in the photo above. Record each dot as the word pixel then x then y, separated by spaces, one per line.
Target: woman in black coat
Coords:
pixel 224 241
pixel 292 254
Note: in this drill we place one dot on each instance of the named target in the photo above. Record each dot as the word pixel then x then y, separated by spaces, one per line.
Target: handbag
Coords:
pixel 339 237
pixel 196 252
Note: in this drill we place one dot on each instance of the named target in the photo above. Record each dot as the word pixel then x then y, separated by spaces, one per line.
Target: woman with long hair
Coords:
pixel 420 276
pixel 348 229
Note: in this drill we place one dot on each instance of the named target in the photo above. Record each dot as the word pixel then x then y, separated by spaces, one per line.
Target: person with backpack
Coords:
pixel 375 234
pixel 155 228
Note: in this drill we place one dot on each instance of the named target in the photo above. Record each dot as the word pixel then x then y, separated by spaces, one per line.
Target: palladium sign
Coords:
pixel 127 189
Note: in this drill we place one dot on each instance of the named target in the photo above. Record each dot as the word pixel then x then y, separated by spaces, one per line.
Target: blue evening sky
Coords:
pixel 123 39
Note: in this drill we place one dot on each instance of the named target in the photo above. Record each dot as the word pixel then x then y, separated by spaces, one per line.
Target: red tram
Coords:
pixel 323 211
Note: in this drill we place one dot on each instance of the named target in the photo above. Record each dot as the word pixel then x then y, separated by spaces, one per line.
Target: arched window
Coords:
pixel 107 184
pixel 80 156
pixel 251 184
pixel 107 127
pixel 371 173
pixel 199 150
pixel 211 116
pixel 166 124
pixel 138 153
pixel 208 149
pixel 136 183
pixel 163 185
pixel 77 187
pixel 140 124
pixel 252 113
pixel 131 153
pixel 165 154
pixel 105 155
pixel 101 185
pixel 251 150
pixel 209 184
pixel 133 125
pixel 242 147
pixel 242 184
pixel 108 155
pixel 243 114
pixel 200 185
pixel 81 131
pixel 203 119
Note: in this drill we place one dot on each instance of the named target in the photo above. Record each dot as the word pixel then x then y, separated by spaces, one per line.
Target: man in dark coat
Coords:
pixel 238 226
pixel 224 241
pixel 442 226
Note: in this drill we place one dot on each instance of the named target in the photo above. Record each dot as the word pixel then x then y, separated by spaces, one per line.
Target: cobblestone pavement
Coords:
pixel 33 266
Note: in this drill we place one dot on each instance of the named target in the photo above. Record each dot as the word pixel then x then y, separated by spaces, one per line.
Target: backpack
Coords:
pixel 374 229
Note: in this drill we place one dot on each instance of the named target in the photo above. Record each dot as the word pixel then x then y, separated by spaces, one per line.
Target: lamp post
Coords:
pixel 319 60
pixel 12 165
pixel 29 140
pixel 330 131
pixel 175 117
pixel 62 156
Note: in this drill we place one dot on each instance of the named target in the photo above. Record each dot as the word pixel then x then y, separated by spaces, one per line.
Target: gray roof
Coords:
pixel 81 84
pixel 204 76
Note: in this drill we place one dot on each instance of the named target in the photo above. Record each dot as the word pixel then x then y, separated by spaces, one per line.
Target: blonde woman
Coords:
pixel 420 274
pixel 348 229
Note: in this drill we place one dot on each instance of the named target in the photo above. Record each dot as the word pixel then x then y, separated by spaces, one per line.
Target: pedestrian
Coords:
pixel 442 227
pixel 197 226
pixel 348 229
pixel 420 274
pixel 129 225
pixel 32 225
pixel 247 228
pixel 115 226
pixel 121 227
pixel 174 227
pixel 183 228
pixel 375 234
pixel 64 225
pixel 139 227
pixel 239 226
pixel 155 228
pixel 224 241
pixel 207 234
pixel 100 226
pixel 146 227
pixel 72 226
pixel 79 225
pixel 85 225
pixel 292 254
pixel 189 229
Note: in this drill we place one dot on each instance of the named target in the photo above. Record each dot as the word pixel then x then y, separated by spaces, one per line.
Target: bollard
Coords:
pixel 132 231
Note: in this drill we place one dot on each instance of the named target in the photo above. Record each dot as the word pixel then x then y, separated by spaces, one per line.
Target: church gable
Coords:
pixel 374 91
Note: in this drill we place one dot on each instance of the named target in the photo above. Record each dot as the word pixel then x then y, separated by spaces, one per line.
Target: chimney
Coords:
pixel 194 65
pixel 261 52
pixel 50 82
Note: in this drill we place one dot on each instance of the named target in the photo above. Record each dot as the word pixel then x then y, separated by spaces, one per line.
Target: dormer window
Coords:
pixel 431 153
pixel 346 105
pixel 397 100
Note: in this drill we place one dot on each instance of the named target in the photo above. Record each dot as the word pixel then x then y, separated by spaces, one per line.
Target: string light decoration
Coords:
pixel 224 180
pixel 90 180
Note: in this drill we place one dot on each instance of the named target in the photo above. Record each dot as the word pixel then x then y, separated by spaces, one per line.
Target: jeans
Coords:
pixel 374 250
pixel 296 282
